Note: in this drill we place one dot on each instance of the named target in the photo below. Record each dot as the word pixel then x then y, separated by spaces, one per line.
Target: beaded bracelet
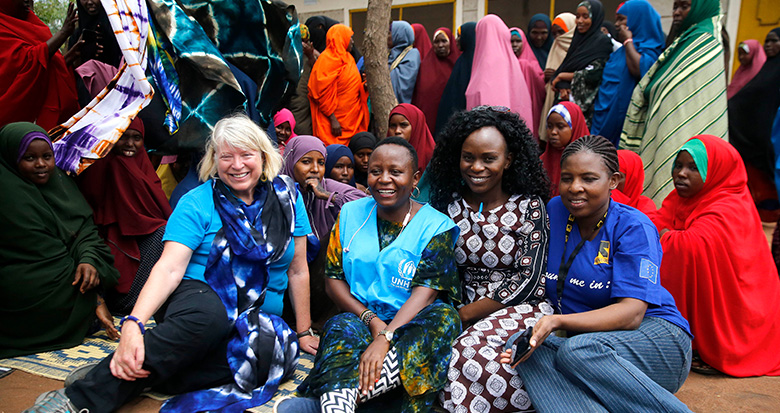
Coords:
pixel 132 318
pixel 366 316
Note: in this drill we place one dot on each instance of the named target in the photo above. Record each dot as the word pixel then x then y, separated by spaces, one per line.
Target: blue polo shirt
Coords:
pixel 622 261
pixel 195 222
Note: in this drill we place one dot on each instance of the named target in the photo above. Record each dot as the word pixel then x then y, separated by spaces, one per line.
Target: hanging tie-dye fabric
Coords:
pixel 259 38
pixel 90 133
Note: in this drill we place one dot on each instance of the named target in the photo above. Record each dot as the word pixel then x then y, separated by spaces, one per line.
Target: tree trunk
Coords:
pixel 375 58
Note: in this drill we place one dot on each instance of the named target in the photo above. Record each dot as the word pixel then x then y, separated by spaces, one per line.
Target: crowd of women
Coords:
pixel 431 267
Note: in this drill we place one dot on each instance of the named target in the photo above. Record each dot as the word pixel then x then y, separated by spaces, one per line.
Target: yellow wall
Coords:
pixel 756 19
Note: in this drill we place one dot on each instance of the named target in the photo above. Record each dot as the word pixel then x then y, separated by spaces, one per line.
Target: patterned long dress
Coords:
pixel 502 256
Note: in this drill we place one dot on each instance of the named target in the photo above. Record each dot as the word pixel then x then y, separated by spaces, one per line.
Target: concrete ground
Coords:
pixel 701 393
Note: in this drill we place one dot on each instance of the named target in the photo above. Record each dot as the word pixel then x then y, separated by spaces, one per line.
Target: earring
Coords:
pixel 418 192
pixel 263 177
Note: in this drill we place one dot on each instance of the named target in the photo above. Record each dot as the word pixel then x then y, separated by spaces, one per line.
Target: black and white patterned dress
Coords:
pixel 501 255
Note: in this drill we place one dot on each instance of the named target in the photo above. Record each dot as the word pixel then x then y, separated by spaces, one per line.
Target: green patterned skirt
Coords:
pixel 424 345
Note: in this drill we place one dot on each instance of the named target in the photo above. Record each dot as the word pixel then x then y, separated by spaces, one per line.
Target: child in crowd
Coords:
pixel 565 124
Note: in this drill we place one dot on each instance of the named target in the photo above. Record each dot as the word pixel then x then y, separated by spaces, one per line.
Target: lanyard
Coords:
pixel 563 270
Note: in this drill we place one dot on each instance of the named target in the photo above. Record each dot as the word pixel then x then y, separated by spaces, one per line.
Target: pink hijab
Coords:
pixel 496 76
pixel 744 74
pixel 534 79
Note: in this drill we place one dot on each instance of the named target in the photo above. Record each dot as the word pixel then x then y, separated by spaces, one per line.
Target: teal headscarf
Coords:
pixel 698 152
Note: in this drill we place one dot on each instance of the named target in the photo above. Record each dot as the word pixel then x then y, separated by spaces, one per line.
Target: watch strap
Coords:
pixel 304 333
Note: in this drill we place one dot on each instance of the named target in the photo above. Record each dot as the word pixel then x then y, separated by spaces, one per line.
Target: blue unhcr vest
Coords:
pixel 382 279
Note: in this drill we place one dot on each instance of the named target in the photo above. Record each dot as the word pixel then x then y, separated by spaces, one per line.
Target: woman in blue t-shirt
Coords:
pixel 629 348
pixel 231 245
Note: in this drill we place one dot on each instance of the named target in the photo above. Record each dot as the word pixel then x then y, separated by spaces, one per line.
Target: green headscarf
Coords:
pixel 47 232
pixel 701 10
pixel 698 152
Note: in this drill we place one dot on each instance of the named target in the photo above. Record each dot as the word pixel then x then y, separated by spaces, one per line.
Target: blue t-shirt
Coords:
pixel 195 222
pixel 622 261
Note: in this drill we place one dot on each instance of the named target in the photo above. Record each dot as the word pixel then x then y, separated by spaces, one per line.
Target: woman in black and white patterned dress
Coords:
pixel 488 178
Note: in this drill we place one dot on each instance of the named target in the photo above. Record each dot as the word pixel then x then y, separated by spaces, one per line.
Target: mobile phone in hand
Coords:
pixel 521 345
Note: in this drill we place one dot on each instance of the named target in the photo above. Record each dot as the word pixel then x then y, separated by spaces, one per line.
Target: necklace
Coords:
pixel 407 217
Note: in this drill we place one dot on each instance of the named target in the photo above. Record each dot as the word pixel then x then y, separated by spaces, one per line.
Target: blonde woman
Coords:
pixel 231 245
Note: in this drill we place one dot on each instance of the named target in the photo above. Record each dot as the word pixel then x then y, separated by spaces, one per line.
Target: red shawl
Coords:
pixel 33 87
pixel 421 40
pixel 551 158
pixel 432 78
pixel 128 201
pixel 631 166
pixel 718 267
pixel 421 138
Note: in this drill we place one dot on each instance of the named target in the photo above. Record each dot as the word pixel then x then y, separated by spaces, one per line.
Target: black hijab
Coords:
pixel 589 46
pixel 541 53
pixel 453 99
pixel 318 34
pixel 751 113
pixel 610 28
pixel 99 23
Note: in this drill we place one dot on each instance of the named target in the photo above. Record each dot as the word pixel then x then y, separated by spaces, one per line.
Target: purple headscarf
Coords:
pixel 322 212
pixel 27 140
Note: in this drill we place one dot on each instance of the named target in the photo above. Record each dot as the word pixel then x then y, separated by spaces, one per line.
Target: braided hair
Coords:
pixel 525 175
pixel 597 144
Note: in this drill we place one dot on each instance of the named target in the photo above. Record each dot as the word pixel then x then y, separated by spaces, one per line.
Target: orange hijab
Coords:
pixel 335 87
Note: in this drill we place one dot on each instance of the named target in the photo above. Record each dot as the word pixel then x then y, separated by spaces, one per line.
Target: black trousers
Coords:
pixel 185 352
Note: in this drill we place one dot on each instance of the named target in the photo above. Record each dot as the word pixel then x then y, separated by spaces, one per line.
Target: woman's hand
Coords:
pixel 107 320
pixel 555 82
pixel 315 185
pixel 542 329
pixel 335 126
pixel 663 231
pixel 548 74
pixel 371 363
pixel 71 18
pixel 624 33
pixel 87 275
pixel 68 27
pixel 128 359
pixel 309 344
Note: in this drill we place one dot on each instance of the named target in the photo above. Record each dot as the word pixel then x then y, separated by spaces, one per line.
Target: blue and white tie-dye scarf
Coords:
pixel 263 351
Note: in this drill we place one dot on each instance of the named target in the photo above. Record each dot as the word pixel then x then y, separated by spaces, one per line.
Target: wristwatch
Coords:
pixel 307 332
pixel 388 335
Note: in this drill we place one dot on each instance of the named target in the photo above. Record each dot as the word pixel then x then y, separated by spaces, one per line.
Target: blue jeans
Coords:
pixel 616 371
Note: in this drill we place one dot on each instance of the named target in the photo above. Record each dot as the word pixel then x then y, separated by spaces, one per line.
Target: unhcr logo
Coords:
pixel 406 270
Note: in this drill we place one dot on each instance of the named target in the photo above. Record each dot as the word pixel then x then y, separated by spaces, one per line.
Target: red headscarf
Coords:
pixel 421 138
pixel 33 86
pixel 551 158
pixel 127 199
pixel 421 40
pixel 718 267
pixel 631 166
pixel 432 79
pixel 534 79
